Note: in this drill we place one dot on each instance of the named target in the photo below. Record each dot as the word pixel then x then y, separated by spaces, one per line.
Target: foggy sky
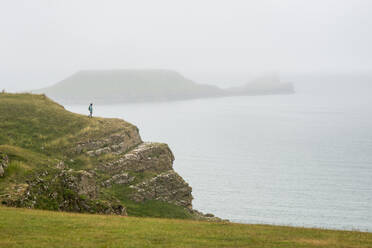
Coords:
pixel 211 41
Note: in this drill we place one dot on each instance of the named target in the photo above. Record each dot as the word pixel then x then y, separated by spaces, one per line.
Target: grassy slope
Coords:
pixel 36 123
pixel 36 133
pixel 35 228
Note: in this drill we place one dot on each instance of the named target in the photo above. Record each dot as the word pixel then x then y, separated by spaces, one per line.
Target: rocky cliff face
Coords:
pixel 4 161
pixel 57 160
pixel 167 186
pixel 143 172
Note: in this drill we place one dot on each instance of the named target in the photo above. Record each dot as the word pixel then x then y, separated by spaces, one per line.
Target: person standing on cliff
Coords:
pixel 90 110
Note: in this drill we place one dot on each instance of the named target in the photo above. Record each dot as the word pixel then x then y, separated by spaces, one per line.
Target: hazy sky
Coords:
pixel 43 41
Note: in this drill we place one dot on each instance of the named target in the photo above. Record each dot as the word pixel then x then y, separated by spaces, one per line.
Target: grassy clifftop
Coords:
pixel 37 123
pixel 57 160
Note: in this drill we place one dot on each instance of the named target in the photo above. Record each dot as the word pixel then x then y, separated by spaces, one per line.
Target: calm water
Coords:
pixel 303 159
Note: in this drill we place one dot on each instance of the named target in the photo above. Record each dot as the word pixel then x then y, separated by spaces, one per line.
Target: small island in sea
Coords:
pixel 120 86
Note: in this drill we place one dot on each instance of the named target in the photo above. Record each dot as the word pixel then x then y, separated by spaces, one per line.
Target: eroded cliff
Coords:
pixel 68 162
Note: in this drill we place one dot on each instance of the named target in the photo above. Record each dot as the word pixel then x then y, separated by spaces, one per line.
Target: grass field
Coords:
pixel 36 123
pixel 37 228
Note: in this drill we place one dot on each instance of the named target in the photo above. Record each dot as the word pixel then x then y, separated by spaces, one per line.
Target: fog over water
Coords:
pixel 210 41
pixel 302 159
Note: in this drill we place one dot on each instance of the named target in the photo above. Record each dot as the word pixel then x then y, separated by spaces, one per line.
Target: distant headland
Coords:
pixel 119 86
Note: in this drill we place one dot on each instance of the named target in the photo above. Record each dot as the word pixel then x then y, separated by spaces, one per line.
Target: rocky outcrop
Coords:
pixel 149 157
pixel 94 165
pixel 4 161
pixel 120 179
pixel 146 169
pixel 117 143
pixel 84 183
pixel 100 172
pixel 167 186
pixel 142 173
pixel 206 217
pixel 65 191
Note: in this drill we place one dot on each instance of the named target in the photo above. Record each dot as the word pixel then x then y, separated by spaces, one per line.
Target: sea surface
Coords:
pixel 301 160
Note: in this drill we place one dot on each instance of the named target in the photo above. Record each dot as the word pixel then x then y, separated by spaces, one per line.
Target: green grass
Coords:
pixel 31 121
pixel 36 123
pixel 17 168
pixel 36 228
pixel 36 133
pixel 32 159
pixel 148 208
pixel 157 209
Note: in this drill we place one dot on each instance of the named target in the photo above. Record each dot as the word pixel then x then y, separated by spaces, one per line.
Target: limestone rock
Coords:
pixel 4 161
pixel 206 217
pixel 150 157
pixel 123 178
pixel 118 142
pixel 67 191
pixel 96 168
pixel 61 165
pixel 85 184
pixel 168 187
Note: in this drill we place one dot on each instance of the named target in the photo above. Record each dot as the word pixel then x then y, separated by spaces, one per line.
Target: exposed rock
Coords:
pixel 71 190
pixel 99 151
pixel 117 142
pixel 86 184
pixel 61 165
pixel 66 191
pixel 79 191
pixel 118 179
pixel 150 157
pixel 206 217
pixel 4 161
pixel 168 187
pixel 97 167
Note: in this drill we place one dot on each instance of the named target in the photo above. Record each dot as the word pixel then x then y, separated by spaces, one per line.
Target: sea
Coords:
pixel 300 160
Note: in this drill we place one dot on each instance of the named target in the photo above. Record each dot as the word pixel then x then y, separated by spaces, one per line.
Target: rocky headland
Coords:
pixel 57 160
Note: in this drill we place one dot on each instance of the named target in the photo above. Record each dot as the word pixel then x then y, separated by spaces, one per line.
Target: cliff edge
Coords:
pixel 54 159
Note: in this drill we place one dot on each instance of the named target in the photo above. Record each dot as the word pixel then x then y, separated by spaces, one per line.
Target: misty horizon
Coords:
pixel 211 42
